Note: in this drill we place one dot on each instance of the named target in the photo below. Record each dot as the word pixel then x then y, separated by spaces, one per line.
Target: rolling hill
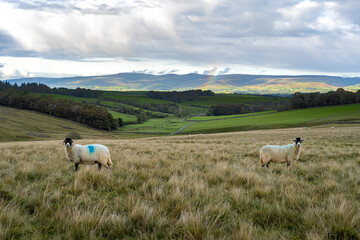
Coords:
pixel 20 125
pixel 258 84
pixel 274 120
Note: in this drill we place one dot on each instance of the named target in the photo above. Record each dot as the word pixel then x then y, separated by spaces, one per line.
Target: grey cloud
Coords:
pixel 224 71
pixel 210 71
pixel 279 34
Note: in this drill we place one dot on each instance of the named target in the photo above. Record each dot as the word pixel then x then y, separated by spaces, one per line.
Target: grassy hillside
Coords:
pixel 196 187
pixel 236 98
pixel 19 125
pixel 157 125
pixel 210 118
pixel 302 117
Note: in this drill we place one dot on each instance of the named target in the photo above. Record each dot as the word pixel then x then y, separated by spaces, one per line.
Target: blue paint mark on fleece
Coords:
pixel 91 148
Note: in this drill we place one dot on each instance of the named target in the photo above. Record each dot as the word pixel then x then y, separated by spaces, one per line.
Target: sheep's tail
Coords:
pixel 109 162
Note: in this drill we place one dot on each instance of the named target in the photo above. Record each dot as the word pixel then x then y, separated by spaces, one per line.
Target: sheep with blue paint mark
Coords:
pixel 87 154
pixel 280 154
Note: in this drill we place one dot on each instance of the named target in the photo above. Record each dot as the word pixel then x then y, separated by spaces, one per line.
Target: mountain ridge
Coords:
pixel 244 83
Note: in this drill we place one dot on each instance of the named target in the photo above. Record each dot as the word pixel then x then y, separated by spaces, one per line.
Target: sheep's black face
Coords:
pixel 68 142
pixel 298 141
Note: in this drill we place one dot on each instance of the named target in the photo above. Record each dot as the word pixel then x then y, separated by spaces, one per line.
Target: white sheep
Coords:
pixel 88 154
pixel 280 154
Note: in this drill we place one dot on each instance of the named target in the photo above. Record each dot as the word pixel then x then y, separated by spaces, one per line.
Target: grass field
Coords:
pixel 198 187
pixel 208 118
pixel 156 125
pixel 302 117
pixel 235 98
pixel 125 117
pixel 20 125
pixel 76 99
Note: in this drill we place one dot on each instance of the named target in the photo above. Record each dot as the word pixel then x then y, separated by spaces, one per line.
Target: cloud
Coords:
pixel 211 71
pixel 308 35
pixel 224 71
pixel 7 72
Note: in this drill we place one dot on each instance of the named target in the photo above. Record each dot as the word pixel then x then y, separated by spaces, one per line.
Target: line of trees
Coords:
pixel 229 109
pixel 157 107
pixel 42 88
pixel 183 96
pixel 87 114
pixel 316 99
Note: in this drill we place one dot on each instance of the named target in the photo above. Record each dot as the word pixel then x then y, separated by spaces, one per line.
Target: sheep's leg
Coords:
pixel 288 164
pixel 76 166
pixel 99 166
pixel 267 164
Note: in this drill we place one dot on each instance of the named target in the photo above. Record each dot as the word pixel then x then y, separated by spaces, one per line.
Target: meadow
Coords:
pixel 236 98
pixel 197 187
pixel 293 118
pixel 24 125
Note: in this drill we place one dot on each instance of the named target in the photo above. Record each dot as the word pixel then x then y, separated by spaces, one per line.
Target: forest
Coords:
pixel 178 97
pixel 316 99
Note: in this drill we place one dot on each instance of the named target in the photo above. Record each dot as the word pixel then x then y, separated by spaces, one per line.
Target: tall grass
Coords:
pixel 197 187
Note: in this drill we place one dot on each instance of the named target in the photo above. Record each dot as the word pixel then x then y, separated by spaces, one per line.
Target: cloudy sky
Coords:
pixel 72 37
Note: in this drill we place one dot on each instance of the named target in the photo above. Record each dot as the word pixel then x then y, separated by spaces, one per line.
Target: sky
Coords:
pixel 57 38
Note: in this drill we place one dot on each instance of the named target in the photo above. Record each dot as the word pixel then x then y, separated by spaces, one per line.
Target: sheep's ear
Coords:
pixel 302 140
pixel 294 140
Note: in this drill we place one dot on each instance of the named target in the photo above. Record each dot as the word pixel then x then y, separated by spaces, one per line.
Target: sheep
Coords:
pixel 88 154
pixel 281 154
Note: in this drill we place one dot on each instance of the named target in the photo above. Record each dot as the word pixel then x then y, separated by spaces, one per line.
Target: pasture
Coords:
pixel 197 187
pixel 238 99
pixel 293 118
pixel 24 125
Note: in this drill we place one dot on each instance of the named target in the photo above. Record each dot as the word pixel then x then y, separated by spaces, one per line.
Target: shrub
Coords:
pixel 74 135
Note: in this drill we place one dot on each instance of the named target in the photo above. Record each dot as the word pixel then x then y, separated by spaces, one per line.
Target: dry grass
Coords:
pixel 197 187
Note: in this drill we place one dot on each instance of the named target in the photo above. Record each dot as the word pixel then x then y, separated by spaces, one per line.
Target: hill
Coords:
pixel 20 125
pixel 258 84
pixel 196 187
pixel 270 120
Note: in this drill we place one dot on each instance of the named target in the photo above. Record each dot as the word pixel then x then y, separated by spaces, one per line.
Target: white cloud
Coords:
pixel 7 72
pixel 166 35
pixel 77 34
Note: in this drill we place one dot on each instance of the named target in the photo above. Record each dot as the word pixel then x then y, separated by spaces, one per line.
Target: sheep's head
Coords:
pixel 68 142
pixel 298 141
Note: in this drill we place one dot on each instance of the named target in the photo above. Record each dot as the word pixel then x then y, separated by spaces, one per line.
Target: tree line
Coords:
pixel 183 96
pixel 88 114
pixel 316 99
pixel 42 88
pixel 156 107
pixel 229 109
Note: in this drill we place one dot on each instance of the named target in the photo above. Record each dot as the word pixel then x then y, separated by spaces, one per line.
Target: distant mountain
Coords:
pixel 259 84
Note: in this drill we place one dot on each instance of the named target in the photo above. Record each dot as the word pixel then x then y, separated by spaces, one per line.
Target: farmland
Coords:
pixel 302 117
pixel 236 98
pixel 135 100
pixel 197 187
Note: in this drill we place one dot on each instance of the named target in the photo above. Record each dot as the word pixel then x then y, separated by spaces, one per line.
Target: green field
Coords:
pixel 208 118
pixel 301 117
pixel 235 98
pixel 125 117
pixel 156 125
pixel 76 99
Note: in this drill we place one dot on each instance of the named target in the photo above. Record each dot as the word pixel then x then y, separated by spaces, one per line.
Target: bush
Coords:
pixel 74 135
